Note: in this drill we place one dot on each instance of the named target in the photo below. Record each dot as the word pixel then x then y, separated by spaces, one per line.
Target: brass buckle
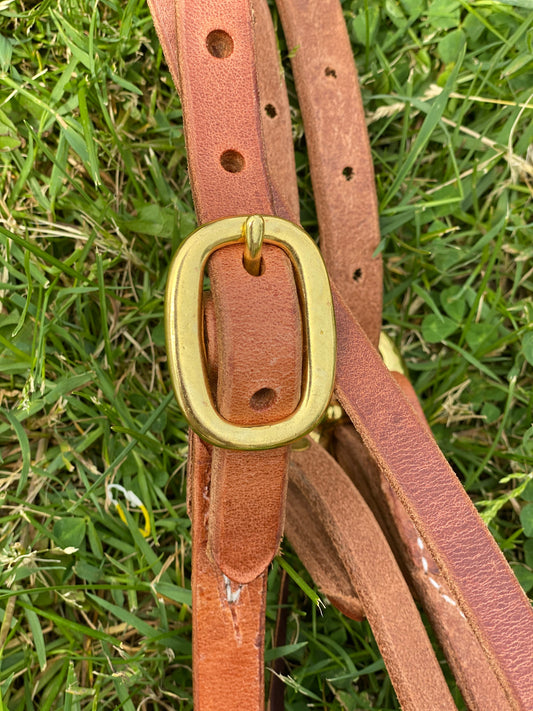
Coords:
pixel 183 307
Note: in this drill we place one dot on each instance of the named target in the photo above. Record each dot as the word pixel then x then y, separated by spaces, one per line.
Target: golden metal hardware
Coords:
pixel 254 233
pixel 390 354
pixel 334 414
pixel 184 330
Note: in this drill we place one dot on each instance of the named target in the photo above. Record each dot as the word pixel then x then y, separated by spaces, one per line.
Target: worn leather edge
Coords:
pixel 229 174
pixel 228 619
pixel 259 349
pixel 475 677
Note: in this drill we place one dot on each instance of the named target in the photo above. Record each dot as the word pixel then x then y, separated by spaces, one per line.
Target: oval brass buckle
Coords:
pixel 183 307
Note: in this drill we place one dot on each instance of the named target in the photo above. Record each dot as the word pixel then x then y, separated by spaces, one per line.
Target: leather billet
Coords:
pixel 409 515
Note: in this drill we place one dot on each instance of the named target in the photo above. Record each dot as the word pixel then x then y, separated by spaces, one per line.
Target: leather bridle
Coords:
pixel 406 525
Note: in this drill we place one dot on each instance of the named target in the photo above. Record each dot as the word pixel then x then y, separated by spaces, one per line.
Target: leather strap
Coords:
pixel 475 677
pixel 326 82
pixel 472 564
pixel 239 509
pixel 228 619
pixel 330 526
pixel 233 172
pixel 339 153
pixel 334 510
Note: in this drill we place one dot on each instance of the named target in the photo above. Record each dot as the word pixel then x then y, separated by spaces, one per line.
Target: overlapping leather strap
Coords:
pixel 328 518
pixel 237 497
pixel 326 81
pixel 468 557
pixel 323 494
pixel 228 619
pixel 470 666
pixel 509 652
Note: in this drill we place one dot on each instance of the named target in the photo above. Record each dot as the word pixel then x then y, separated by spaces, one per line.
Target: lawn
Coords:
pixel 94 199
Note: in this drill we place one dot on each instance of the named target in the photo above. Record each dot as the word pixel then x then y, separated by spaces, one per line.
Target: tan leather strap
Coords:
pixel 332 528
pixel 324 74
pixel 233 173
pixel 259 346
pixel 476 571
pixel 228 619
pixel 469 664
pixel 336 511
pixel 238 503
pixel 339 153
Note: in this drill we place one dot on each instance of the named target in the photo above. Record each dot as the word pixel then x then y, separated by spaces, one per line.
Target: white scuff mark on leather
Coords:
pixel 232 596
pixel 433 582
pixel 449 599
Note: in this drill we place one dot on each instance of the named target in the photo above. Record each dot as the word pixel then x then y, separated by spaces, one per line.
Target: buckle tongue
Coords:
pixel 183 307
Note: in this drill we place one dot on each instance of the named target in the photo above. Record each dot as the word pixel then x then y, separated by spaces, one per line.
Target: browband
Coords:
pixel 382 514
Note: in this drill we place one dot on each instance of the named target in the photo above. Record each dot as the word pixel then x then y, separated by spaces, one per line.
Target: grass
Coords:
pixel 94 200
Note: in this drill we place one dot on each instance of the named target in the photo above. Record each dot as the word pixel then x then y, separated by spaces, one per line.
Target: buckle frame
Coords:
pixel 183 305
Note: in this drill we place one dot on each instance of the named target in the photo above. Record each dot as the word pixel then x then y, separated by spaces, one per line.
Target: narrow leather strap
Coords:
pixel 339 153
pixel 475 677
pixel 329 98
pixel 274 111
pixel 240 498
pixel 315 548
pixel 228 619
pixel 347 521
pixel 259 379
pixel 472 564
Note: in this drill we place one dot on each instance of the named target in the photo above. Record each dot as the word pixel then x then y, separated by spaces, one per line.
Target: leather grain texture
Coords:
pixel 228 619
pixel 486 590
pixel 339 153
pixel 222 112
pixel 236 127
pixel 475 677
pixel 330 496
pixel 259 358
pixel 229 175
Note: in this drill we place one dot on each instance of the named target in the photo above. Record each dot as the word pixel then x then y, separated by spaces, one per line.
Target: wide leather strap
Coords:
pixel 468 557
